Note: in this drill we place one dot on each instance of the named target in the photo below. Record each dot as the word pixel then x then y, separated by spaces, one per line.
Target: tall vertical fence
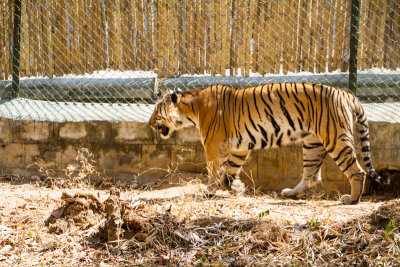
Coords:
pixel 127 51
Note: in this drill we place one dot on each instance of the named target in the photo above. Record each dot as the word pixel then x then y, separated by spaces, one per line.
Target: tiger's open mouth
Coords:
pixel 164 130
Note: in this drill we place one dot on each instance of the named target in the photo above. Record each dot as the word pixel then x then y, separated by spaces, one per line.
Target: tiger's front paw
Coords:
pixel 289 193
pixel 346 199
pixel 227 182
pixel 238 187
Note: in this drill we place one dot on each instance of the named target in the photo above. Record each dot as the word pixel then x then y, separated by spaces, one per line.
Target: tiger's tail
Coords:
pixel 365 144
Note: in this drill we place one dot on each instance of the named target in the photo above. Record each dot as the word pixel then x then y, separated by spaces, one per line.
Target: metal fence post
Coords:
pixel 354 34
pixel 16 49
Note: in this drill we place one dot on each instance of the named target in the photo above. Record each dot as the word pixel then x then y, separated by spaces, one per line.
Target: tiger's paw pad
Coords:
pixel 346 199
pixel 238 187
pixel 288 193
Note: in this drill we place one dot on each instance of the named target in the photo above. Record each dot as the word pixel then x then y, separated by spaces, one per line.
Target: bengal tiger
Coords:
pixel 233 122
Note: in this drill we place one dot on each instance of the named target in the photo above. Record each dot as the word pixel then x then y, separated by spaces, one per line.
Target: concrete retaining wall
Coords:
pixel 132 151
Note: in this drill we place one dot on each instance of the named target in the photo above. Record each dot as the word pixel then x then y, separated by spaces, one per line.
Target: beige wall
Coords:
pixel 126 150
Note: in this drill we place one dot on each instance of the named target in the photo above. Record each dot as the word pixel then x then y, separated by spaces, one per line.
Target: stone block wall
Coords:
pixel 133 151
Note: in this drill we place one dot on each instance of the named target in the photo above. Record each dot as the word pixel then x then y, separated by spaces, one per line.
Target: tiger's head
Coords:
pixel 169 115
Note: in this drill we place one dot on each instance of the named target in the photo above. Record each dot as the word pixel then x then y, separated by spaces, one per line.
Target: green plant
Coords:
pixel 389 229
pixel 203 259
pixel 263 213
pixel 213 210
pixel 313 223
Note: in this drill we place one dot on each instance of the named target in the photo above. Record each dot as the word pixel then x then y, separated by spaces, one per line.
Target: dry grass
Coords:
pixel 185 229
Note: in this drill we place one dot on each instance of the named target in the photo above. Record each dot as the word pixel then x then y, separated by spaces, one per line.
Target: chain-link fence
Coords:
pixel 113 53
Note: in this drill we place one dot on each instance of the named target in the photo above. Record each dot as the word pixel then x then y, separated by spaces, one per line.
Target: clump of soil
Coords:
pixel 79 211
pixel 110 221
pixel 134 222
pixel 61 226
pixel 113 215
pixel 267 232
pixel 386 213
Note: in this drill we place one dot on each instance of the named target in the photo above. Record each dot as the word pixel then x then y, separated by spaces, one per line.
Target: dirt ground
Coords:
pixel 174 225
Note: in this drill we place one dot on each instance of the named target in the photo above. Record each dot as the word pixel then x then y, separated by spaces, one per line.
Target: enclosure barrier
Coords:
pixel 67 60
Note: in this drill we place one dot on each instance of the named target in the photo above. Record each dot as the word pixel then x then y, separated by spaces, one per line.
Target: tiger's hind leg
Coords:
pixel 313 156
pixel 345 157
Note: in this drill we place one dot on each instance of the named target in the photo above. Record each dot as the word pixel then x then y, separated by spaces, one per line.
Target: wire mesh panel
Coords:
pixel 6 30
pixel 379 53
pixel 126 51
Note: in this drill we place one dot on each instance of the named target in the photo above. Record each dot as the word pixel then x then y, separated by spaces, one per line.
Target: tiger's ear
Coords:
pixel 174 94
pixel 174 97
